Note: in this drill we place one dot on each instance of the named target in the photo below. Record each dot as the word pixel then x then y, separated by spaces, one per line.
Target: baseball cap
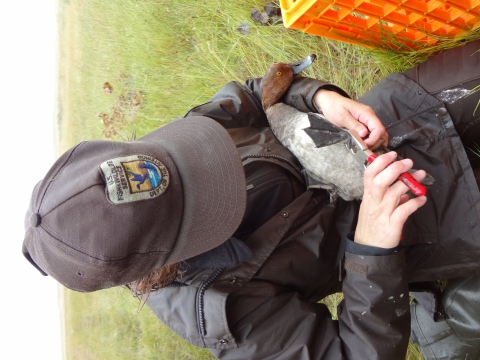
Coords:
pixel 108 213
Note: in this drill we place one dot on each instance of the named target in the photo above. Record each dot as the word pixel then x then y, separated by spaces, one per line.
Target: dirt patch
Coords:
pixel 122 112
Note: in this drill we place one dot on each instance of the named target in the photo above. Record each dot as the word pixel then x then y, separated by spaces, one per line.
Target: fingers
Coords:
pixel 381 137
pixel 380 176
pixel 377 134
pixel 370 129
pixel 406 205
pixel 377 178
pixel 403 199
pixel 349 122
pixel 403 211
pixel 350 114
pixel 385 206
pixel 391 174
pixel 398 188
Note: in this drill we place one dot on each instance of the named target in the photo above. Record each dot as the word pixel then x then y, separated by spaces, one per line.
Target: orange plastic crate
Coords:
pixel 415 23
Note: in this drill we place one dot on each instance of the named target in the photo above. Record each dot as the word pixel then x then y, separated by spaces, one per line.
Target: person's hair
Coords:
pixel 154 281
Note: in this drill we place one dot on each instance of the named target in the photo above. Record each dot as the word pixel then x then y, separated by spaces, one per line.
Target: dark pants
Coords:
pixel 449 327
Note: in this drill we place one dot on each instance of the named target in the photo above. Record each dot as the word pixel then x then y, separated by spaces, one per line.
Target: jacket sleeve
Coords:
pixel 236 105
pixel 374 318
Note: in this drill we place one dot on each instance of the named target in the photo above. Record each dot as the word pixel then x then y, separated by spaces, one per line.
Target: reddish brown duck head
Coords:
pixel 278 79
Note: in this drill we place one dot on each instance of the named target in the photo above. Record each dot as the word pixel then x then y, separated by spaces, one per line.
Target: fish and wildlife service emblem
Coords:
pixel 133 178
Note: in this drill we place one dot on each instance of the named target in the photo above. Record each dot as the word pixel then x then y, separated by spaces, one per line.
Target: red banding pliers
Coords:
pixel 365 156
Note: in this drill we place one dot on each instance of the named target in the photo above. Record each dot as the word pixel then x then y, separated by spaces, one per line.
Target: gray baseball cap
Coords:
pixel 108 213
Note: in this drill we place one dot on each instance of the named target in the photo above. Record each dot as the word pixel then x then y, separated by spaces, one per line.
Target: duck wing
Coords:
pixel 323 132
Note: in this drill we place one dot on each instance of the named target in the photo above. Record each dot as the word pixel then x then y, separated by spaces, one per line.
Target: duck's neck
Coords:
pixel 271 96
pixel 275 84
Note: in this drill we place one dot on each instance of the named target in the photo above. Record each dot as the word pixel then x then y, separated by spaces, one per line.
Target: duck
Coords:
pixel 319 145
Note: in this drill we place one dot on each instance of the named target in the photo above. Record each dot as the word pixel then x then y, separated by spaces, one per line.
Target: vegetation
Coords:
pixel 127 67
pixel 109 324
pixel 172 55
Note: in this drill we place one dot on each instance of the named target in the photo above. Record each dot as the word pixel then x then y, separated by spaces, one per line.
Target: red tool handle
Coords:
pixel 414 186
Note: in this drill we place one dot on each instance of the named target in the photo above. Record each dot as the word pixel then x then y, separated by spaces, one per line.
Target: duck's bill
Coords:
pixel 301 65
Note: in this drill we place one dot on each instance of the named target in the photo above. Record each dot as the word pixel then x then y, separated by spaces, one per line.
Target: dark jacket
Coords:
pixel 267 306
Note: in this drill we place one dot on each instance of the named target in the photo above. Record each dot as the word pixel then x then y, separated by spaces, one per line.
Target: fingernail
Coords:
pixel 407 162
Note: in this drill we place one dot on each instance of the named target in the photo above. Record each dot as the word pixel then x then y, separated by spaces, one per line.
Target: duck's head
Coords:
pixel 278 79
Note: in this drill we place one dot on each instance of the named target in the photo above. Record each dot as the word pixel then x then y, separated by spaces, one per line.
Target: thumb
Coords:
pixel 350 123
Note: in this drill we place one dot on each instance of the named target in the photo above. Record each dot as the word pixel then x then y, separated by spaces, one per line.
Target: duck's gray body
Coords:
pixel 332 166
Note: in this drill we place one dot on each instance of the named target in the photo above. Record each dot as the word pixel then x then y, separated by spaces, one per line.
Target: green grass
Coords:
pixel 177 54
pixel 110 324
pixel 162 58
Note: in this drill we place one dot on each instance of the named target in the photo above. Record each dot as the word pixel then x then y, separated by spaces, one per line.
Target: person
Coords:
pixel 208 219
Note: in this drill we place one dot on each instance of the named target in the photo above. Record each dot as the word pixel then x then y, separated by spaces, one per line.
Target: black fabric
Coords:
pixel 359 249
pixel 231 252
pixel 441 238
pixel 449 75
pixel 269 190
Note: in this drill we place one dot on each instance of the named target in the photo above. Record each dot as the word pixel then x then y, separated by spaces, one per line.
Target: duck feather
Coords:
pixel 319 145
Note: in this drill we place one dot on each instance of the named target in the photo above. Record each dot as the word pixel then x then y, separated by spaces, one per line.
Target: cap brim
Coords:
pixel 213 183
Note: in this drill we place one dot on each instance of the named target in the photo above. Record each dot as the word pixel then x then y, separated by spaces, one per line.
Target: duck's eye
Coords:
pixel 279 73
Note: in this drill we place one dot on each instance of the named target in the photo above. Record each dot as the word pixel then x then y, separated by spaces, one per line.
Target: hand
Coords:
pixel 386 207
pixel 346 113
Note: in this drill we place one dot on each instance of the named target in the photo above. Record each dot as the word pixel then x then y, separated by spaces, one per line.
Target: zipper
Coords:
pixel 216 273
pixel 200 302
pixel 295 167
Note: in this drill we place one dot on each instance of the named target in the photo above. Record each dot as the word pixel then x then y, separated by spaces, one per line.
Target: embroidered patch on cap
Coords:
pixel 135 177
